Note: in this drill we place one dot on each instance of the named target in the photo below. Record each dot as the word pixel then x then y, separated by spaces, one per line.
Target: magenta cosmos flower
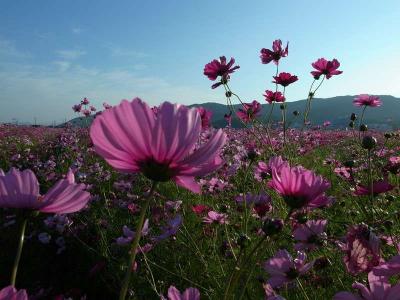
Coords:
pixel 326 67
pixel 282 268
pixel 367 100
pixel 21 190
pixel 378 187
pixel 271 96
pixel 249 111
pixel 215 69
pixel 284 79
pixel 131 138
pixel 205 116
pixel 389 268
pixel 11 293
pixel 188 294
pixel 300 188
pixel 379 289
pixel 275 54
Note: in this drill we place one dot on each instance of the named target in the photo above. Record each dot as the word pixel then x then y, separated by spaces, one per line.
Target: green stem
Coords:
pixel 361 120
pixel 138 234
pixel 19 251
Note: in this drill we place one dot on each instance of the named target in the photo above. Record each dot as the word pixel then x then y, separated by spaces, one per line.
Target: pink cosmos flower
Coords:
pixel 228 119
pixel 216 68
pixel 11 293
pixel 86 112
pixel 271 96
pixel 284 269
pixel 326 67
pixel 92 108
pixel 205 116
pixel 128 234
pixel 85 101
pixel 300 188
pixel 284 79
pixel 389 268
pixel 249 111
pixel 77 108
pixel 215 217
pixel 327 123
pixel 367 100
pixel 378 187
pixel 310 235
pixel 275 54
pixel 362 250
pixel 188 294
pixel 131 138
pixel 379 289
pixel 21 190
pixel 106 105
pixel 261 203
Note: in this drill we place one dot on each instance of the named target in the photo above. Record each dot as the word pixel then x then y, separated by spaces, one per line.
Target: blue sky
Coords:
pixel 54 53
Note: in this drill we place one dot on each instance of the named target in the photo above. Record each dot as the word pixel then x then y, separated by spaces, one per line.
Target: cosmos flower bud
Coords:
pixel 351 124
pixel 282 106
pixel 369 142
pixel 272 226
pixel 353 117
pixel 228 94
pixel 363 127
pixel 296 113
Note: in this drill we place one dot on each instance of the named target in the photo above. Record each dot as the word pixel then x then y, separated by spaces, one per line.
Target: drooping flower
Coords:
pixel 188 294
pixel 284 269
pixel 367 100
pixel 284 79
pixel 275 54
pixel 271 96
pixel 131 138
pixel 205 116
pixel 21 190
pixel 379 289
pixel 215 69
pixel 300 188
pixel 326 67
pixel 310 235
pixel 378 187
pixel 215 217
pixel 249 111
pixel 11 293
pixel 362 249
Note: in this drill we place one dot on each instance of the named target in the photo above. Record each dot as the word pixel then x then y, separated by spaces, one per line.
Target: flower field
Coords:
pixel 155 203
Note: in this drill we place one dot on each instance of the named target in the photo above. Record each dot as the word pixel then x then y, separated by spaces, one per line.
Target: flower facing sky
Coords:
pixel 325 67
pixel 275 54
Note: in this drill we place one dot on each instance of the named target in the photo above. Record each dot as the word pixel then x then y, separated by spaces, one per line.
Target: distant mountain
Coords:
pixel 337 110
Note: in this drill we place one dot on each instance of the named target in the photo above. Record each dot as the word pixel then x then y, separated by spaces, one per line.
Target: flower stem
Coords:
pixel 138 234
pixel 19 251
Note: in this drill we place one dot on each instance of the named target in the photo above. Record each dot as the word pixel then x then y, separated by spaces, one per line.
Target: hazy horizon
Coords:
pixel 52 54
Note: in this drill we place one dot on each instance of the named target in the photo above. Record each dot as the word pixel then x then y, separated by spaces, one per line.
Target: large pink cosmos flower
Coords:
pixel 271 96
pixel 11 293
pixel 131 138
pixel 284 79
pixel 367 100
pixel 362 250
pixel 216 68
pixel 284 269
pixel 379 289
pixel 275 54
pixel 188 294
pixel 299 187
pixel 21 190
pixel 326 67
pixel 249 111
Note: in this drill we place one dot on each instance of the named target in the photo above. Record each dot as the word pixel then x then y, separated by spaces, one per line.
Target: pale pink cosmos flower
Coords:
pixel 249 111
pixel 362 250
pixel 367 100
pixel 310 235
pixel 300 188
pixel 21 190
pixel 11 293
pixel 188 294
pixel 283 269
pixel 326 67
pixel 215 217
pixel 275 54
pixel 131 138
pixel 379 289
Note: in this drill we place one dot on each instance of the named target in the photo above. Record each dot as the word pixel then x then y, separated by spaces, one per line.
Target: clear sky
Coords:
pixel 54 53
